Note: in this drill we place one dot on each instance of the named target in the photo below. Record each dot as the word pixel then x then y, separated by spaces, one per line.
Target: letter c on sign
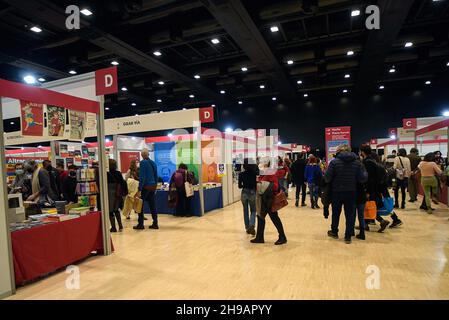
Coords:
pixel 108 81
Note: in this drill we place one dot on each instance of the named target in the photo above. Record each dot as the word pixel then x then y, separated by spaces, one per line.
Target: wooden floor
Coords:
pixel 211 258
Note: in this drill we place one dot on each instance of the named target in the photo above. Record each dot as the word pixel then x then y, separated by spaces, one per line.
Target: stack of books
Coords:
pixel 60 217
pixel 80 211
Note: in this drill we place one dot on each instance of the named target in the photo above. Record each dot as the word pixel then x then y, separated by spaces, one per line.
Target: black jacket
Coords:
pixel 297 170
pixel 345 172
pixel 69 189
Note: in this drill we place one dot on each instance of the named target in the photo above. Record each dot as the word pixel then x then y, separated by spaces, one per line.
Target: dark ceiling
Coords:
pixel 315 38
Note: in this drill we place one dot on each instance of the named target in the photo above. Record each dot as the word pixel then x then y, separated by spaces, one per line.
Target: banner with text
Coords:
pixel 335 137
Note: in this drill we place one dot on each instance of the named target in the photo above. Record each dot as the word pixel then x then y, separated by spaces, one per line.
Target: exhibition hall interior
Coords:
pixel 224 150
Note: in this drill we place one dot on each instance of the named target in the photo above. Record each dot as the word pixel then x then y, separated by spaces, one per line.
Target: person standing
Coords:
pixel 413 184
pixel 268 175
pixel 282 175
pixel 61 174
pixel 69 186
pixel 248 183
pixel 117 189
pixel 313 175
pixel 147 189
pixel 298 169
pixel 54 191
pixel 429 170
pixel 21 183
pixel 403 170
pixel 343 174
pixel 179 178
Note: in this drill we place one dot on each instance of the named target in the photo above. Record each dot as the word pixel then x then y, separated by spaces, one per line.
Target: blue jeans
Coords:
pixel 313 190
pixel 361 217
pixel 249 203
pixel 346 200
pixel 149 196
pixel 283 184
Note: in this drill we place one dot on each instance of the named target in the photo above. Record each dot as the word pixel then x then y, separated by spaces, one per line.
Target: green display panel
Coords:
pixel 186 152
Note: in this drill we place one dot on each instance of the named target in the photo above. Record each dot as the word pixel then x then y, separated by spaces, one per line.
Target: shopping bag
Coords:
pixel 387 208
pixel 279 202
pixel 128 206
pixel 370 210
pixel 189 189
pixel 138 205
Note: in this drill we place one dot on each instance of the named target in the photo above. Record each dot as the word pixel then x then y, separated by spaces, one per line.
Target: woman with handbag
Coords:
pixel 248 183
pixel 179 179
pixel 267 192
pixel 117 190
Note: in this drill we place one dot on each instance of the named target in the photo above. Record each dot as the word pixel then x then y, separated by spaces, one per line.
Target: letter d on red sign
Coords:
pixel 106 81
pixel 207 115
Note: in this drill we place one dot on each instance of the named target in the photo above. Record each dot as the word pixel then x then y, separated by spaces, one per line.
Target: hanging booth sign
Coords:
pixel 393 132
pixel 165 158
pixel 335 137
pixel 32 118
pixel 106 81
pixel 207 115
pixel 410 123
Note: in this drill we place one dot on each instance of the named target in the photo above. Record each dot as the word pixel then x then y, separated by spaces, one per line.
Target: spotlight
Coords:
pixel 161 83
pixel 72 72
pixel 36 29
pixel 445 113
pixel 115 63
pixel 244 69
pixel 350 53
pixel 240 102
pixel 124 89
pixel 274 98
pixel 392 70
pixel 133 104
pixel 222 92
pixel 299 82
pixel 274 29
pixel 86 12
pixel 262 86
pixel 157 53
pixel 290 62
pixel 159 100
pixel 428 82
pixel 41 79
pixel 191 96
pixel 215 41
pixel 382 87
pixel 347 76
pixel 197 76
pixel 29 79
pixel 408 44
pixel 355 13
pixel 345 91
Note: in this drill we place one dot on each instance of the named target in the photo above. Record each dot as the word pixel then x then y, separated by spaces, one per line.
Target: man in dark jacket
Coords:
pixel 344 173
pixel 297 170
pixel 413 184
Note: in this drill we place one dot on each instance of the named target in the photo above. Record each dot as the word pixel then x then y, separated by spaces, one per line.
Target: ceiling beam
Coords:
pixel 50 14
pixel 29 65
pixel 237 22
pixel 393 14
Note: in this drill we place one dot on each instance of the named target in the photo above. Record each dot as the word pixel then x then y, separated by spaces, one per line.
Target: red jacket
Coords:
pixel 271 178
pixel 282 172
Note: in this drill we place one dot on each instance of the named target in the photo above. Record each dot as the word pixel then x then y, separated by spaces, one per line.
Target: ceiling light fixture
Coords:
pixel 274 29
pixel 345 91
pixel 290 62
pixel 262 86
pixel 240 102
pixel 392 70
pixel 161 83
pixel 347 76
pixel 115 63
pixel 274 98
pixel 106 108
pixel 408 44
pixel 29 79
pixel 382 87
pixel 12 122
pixel 244 69
pixel 213 105
pixel 157 53
pixel 124 89
pixel 72 72
pixel 428 82
pixel 86 12
pixel 299 82
pixel 41 79
pixel 36 29
pixel 306 95
pixel 197 76
pixel 158 100
pixel 133 104
pixel 191 96
pixel 222 92
pixel 215 41
pixel 445 113
pixel 355 13
pixel 350 53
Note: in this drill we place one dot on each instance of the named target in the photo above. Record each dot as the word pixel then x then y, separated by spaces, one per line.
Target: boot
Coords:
pixel 280 228
pixel 119 220
pixel 260 231
pixel 297 203
pixel 112 221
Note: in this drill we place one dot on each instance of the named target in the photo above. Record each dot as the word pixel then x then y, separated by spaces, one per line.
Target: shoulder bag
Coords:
pixel 189 187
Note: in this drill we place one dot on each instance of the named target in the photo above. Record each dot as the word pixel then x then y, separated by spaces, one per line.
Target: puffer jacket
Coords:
pixel 345 172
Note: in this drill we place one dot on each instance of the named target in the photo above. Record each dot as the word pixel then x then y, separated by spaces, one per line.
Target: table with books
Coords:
pixel 50 241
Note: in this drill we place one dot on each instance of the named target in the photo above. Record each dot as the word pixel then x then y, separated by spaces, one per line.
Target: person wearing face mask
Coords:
pixel 21 183
pixel 53 188
pixel 69 186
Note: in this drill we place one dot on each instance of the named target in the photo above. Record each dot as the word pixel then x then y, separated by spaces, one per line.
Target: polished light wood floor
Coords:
pixel 211 258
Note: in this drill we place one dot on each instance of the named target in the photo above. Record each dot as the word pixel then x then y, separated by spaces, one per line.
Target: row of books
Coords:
pixel 86 187
pixel 88 201
pixel 85 174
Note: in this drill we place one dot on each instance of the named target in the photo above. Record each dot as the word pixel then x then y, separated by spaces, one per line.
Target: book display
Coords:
pixel 86 188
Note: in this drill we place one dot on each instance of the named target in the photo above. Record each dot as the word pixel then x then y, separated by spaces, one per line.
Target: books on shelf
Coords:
pixel 80 211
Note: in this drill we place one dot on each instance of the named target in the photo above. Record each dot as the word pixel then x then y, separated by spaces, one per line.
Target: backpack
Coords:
pixel 178 179
pixel 382 174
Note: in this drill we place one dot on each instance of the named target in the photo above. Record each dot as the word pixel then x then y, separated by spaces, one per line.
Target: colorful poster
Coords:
pixel 165 158
pixel 69 162
pixel 186 153
pixel 125 159
pixel 32 118
pixel 211 157
pixel 335 137
pixel 55 121
pixel 63 150
pixel 77 125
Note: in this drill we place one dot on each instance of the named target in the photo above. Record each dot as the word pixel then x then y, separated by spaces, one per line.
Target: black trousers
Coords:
pixel 301 186
pixel 274 216
pixel 112 217
pixel 401 185
pixel 183 206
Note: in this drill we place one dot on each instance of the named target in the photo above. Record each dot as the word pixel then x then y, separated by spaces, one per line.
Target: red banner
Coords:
pixel 410 123
pixel 106 81
pixel 125 159
pixel 393 132
pixel 32 118
pixel 335 137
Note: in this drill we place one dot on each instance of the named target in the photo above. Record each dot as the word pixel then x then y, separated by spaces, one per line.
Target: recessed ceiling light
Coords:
pixel 274 29
pixel 36 29
pixel 29 79
pixel 274 98
pixel 197 76
pixel 157 53
pixel 428 82
pixel 133 104
pixel 159 100
pixel 161 83
pixel 222 91
pixel 244 69
pixel 106 108
pixel 215 41
pixel 72 72
pixel 345 91
pixel 124 89
pixel 191 96
pixel 41 79
pixel 447 64
pixel 350 53
pixel 392 70
pixel 446 113
pixel 305 95
pixel 299 82
pixel 355 13
pixel 347 76
pixel 240 102
pixel 262 86
pixel 290 62
pixel 382 87
pixel 115 63
pixel 213 105
pixel 408 44
pixel 86 12
pixel 12 122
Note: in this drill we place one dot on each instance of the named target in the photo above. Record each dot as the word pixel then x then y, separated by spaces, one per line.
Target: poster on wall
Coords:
pixel 32 118
pixel 55 121
pixel 125 159
pixel 211 157
pixel 165 158
pixel 63 151
pixel 186 153
pixel 335 137
pixel 77 125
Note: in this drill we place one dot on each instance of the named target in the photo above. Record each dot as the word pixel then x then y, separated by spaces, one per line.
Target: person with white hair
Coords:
pixel 147 189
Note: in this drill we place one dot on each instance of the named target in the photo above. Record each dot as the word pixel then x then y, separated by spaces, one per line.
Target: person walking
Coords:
pixel 147 189
pixel 297 170
pixel 429 172
pixel 313 175
pixel 413 184
pixel 132 181
pixel 248 183
pixel 343 174
pixel 269 182
pixel 282 175
pixel 403 170
pixel 179 178
pixel 117 190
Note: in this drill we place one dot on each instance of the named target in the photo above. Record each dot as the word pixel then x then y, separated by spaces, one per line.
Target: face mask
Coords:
pixel 19 171
pixel 72 174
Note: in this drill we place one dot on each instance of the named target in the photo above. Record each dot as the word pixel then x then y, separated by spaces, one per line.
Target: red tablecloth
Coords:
pixel 44 249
